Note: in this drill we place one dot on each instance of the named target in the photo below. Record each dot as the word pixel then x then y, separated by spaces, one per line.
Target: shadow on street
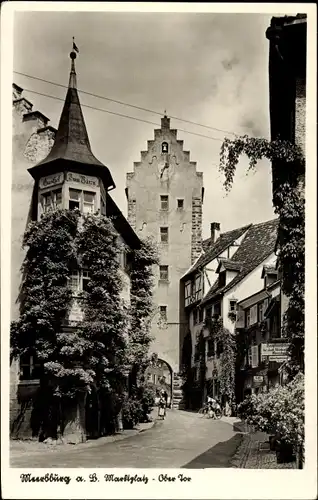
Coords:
pixel 218 456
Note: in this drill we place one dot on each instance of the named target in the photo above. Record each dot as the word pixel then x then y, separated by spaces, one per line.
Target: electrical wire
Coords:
pixel 126 104
pixel 123 116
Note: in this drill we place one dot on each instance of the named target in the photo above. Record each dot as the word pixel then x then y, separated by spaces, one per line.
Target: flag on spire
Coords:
pixel 75 46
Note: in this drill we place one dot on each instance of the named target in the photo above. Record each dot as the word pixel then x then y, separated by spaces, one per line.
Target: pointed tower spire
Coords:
pixel 72 84
pixel 71 149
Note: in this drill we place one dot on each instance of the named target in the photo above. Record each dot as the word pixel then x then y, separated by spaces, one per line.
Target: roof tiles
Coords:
pixel 213 250
pixel 258 243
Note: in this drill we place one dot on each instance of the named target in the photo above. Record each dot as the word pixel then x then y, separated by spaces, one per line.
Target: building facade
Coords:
pixel 165 197
pixel 287 91
pixel 232 266
pixel 56 169
pixel 264 349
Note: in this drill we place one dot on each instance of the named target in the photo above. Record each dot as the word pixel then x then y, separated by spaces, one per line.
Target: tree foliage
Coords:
pixel 141 303
pixel 289 204
pixel 280 411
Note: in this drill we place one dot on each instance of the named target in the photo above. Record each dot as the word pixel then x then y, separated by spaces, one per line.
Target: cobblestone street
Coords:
pixel 183 440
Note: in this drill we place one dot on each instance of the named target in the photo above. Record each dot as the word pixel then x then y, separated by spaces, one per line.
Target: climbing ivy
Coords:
pixel 199 357
pixel 93 353
pixel 288 182
pixel 104 329
pixel 226 349
pixel 141 306
pixel 45 297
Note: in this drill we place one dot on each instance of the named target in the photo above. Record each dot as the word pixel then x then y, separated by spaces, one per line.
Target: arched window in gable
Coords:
pixel 164 147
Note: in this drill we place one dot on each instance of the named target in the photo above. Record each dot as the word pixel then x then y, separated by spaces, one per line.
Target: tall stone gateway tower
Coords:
pixel 165 196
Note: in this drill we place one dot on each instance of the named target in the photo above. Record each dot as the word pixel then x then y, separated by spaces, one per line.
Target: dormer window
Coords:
pixel 74 202
pixel 164 148
pixel 82 200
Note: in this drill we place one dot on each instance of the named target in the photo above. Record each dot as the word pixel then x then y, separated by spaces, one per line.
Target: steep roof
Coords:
pixel 215 249
pixel 258 243
pixel 71 144
pixel 121 224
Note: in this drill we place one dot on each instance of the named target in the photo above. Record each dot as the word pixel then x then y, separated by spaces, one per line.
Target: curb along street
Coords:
pixel 16 447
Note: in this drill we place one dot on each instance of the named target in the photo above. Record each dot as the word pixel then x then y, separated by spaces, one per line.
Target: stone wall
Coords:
pixel 32 140
pixel 196 237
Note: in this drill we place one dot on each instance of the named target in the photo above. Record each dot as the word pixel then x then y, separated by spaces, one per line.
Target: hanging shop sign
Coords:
pixel 258 378
pixel 84 180
pixel 50 180
pixel 278 359
pixel 254 352
pixel 274 349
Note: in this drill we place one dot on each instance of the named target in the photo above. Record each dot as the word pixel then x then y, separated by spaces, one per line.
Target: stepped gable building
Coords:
pixel 54 169
pixel 165 197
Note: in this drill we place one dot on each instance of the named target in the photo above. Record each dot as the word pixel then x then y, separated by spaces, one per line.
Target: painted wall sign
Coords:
pixel 51 180
pixel 85 180
pixel 274 349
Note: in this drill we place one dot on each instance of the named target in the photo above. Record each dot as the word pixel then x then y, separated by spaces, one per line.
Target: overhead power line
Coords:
pixel 127 104
pixel 123 116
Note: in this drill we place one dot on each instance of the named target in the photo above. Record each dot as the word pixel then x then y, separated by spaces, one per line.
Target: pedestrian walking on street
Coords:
pixel 165 395
pixel 162 407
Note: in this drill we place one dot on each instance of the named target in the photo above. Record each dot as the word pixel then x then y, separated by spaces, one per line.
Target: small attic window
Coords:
pixel 164 147
pixel 222 279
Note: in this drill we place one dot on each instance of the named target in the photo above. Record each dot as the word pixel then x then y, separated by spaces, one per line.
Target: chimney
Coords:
pixel 215 231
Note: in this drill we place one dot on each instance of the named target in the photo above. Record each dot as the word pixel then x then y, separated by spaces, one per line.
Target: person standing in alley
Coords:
pixel 162 406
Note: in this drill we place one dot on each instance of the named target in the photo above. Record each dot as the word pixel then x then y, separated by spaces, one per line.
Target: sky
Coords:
pixel 211 69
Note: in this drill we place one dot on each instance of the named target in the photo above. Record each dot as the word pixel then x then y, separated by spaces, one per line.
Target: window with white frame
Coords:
pixel 164 235
pixel 232 305
pixel 249 356
pixel 163 313
pixel 164 273
pixel 88 202
pixel 164 202
pixel 51 200
pixel 187 293
pixel 82 200
pixel 79 280
pixel 198 287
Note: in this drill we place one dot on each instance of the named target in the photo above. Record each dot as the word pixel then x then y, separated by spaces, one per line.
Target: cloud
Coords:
pixel 229 63
pixel 251 127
